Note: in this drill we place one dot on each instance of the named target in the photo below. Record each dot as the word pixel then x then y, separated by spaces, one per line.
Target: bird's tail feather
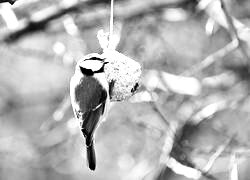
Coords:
pixel 91 159
pixel 89 126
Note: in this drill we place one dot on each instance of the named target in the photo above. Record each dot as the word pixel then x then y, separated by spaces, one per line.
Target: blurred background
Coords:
pixel 189 120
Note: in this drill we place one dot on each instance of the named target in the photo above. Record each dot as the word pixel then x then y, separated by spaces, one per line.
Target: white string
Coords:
pixel 111 21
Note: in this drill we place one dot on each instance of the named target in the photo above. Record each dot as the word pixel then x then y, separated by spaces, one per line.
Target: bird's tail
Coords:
pixel 91 159
pixel 88 128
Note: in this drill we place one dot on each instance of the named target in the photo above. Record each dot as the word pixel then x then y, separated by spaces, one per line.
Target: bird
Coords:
pixel 89 92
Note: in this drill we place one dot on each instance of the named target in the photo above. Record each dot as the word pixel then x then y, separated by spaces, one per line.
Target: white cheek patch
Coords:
pixel 93 65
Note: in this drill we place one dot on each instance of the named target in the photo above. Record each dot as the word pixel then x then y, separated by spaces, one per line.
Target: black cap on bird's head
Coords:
pixel 91 63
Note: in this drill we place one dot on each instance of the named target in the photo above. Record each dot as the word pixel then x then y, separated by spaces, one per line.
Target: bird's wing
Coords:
pixel 87 94
pixel 88 101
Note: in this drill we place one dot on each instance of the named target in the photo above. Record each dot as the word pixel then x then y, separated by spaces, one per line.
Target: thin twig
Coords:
pixel 212 58
pixel 159 111
pixel 196 151
pixel 189 172
pixel 215 156
pixel 181 169
pixel 234 167
pixel 233 45
pixel 9 1
pixel 234 32
pixel 39 20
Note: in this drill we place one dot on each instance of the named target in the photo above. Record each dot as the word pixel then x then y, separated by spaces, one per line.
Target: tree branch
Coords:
pixel 216 155
pixel 233 30
pixel 209 60
pixel 39 20
pixel 9 1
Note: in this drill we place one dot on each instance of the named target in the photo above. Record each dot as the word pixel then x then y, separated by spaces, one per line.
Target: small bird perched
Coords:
pixel 89 91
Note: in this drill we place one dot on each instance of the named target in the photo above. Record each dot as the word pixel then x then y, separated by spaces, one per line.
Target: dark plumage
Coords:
pixel 89 95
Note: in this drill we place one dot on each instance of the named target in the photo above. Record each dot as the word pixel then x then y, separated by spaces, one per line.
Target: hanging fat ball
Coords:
pixel 122 73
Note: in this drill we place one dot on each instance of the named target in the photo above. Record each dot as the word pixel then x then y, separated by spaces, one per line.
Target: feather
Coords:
pixel 88 127
pixel 91 159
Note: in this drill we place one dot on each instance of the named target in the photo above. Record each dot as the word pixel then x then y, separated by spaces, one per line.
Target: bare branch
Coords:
pixel 160 112
pixel 189 172
pixel 39 20
pixel 9 1
pixel 233 30
pixel 234 175
pixel 215 156
pixel 233 45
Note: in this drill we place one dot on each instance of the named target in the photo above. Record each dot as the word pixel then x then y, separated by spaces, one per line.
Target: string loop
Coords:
pixel 111 22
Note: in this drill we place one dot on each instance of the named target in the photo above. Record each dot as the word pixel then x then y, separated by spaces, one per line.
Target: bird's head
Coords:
pixel 91 64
